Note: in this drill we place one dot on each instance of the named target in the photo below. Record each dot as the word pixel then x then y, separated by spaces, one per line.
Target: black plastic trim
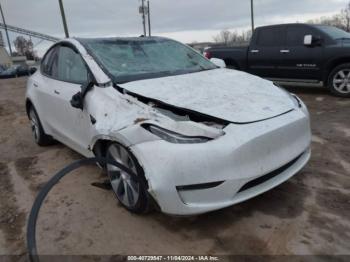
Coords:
pixel 147 127
pixel 199 186
pixel 268 176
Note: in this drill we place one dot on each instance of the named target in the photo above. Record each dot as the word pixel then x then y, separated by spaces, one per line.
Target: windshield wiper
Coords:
pixel 343 38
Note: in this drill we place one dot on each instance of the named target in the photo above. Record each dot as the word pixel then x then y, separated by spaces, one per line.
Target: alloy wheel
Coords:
pixel 125 186
pixel 341 81
pixel 34 125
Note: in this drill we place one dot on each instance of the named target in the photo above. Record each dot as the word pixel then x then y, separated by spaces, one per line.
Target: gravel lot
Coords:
pixel 309 214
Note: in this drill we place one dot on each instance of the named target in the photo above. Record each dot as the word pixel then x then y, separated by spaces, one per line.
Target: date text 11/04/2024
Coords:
pixel 172 258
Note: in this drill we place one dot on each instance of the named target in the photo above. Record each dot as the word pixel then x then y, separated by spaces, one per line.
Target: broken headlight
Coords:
pixel 174 137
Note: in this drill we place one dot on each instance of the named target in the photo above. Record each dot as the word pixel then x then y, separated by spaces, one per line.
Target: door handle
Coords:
pixel 255 51
pixel 35 84
pixel 56 92
pixel 284 51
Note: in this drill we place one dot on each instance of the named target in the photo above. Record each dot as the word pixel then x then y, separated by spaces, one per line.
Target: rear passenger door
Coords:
pixel 44 87
pixel 264 51
pixel 300 62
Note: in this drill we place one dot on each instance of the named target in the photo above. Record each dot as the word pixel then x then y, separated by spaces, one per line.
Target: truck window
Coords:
pixel 295 35
pixel 273 36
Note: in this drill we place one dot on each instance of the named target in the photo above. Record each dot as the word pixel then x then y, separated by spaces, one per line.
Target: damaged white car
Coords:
pixel 199 137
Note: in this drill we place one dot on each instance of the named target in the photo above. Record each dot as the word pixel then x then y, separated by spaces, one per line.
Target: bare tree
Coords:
pixel 341 20
pixel 229 38
pixel 345 13
pixel 24 47
pixel 223 37
pixel 20 45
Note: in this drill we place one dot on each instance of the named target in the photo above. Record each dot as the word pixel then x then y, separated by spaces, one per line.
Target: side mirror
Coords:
pixel 218 62
pixel 77 101
pixel 308 40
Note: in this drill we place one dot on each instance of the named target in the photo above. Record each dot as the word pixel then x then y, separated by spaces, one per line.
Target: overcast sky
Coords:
pixel 185 20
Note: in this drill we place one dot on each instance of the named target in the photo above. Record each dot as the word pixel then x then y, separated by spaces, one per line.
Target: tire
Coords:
pixel 339 81
pixel 38 132
pixel 132 193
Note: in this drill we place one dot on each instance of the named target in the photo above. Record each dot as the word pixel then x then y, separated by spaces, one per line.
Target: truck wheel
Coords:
pixel 339 81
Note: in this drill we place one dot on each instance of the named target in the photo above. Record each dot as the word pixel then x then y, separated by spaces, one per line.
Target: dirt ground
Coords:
pixel 309 214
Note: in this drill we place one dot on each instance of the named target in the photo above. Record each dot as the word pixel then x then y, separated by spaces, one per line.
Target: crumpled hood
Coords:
pixel 231 95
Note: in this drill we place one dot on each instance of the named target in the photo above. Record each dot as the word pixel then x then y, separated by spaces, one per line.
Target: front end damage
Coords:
pixel 193 178
pixel 126 119
pixel 197 178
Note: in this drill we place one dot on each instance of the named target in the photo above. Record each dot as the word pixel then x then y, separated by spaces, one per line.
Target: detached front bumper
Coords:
pixel 247 161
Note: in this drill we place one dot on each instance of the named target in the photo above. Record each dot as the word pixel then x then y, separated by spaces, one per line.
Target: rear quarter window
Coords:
pixel 271 36
pixel 49 64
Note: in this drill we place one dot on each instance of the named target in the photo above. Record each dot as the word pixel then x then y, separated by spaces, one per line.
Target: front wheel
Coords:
pixel 131 191
pixel 339 81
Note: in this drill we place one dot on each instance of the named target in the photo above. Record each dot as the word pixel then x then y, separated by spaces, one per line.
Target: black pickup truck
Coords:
pixel 294 53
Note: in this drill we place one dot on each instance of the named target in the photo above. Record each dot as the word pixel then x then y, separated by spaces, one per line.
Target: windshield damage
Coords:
pixel 126 60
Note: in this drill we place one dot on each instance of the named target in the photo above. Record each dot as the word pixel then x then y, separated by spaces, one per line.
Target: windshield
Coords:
pixel 142 58
pixel 334 32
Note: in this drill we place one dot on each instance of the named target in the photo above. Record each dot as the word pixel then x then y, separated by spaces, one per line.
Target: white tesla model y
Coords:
pixel 199 137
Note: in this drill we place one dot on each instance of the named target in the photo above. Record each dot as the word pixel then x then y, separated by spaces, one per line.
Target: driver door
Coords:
pixel 300 62
pixel 72 126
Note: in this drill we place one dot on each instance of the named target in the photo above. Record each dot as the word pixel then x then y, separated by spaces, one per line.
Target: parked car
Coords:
pixel 199 137
pixel 17 71
pixel 298 53
pixel 2 68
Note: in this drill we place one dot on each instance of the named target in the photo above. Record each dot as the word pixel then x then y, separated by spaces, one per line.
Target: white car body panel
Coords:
pixel 238 153
pixel 219 93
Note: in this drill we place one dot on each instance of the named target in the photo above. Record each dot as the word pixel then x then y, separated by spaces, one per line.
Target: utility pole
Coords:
pixel 252 13
pixel 143 17
pixel 149 18
pixel 64 19
pixel 7 33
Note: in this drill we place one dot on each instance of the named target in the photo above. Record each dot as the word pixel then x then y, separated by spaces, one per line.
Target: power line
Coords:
pixel 252 13
pixel 149 18
pixel 64 19
pixel 143 18
pixel 5 27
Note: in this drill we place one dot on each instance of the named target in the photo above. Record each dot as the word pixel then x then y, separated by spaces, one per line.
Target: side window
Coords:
pixel 71 67
pixel 49 64
pixel 295 35
pixel 271 36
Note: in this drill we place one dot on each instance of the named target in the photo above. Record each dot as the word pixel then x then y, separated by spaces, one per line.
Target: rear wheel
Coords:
pixel 131 191
pixel 339 81
pixel 37 130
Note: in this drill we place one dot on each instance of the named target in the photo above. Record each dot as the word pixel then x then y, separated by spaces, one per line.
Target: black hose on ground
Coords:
pixel 39 200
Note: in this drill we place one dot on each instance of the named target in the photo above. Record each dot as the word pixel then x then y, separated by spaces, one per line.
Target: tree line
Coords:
pixel 234 38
